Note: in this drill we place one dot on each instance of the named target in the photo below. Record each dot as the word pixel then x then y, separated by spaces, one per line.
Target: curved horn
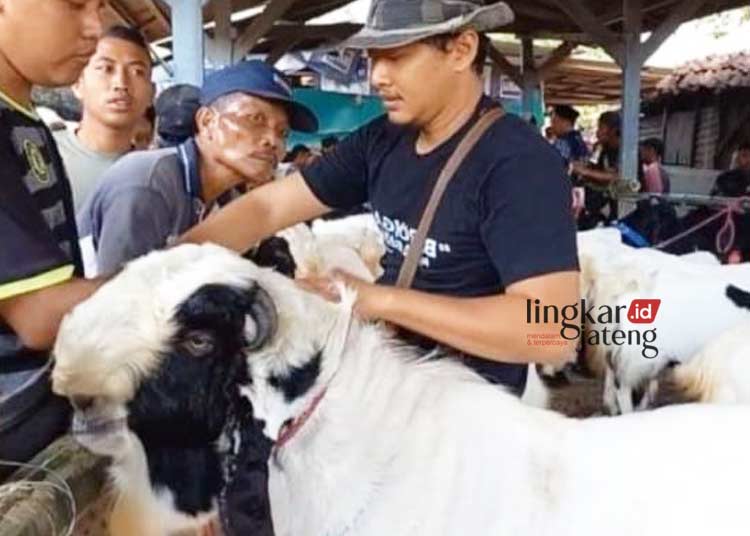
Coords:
pixel 263 313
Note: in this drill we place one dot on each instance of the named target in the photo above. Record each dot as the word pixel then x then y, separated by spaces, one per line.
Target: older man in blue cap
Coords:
pixel 241 126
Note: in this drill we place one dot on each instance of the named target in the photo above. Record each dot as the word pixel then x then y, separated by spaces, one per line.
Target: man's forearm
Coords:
pixel 494 327
pixel 258 214
pixel 602 177
pixel 36 316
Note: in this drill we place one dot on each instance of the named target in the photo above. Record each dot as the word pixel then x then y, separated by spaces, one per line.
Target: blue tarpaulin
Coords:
pixel 338 113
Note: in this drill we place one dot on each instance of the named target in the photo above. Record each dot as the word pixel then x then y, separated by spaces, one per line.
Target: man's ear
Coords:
pixel 76 87
pixel 464 49
pixel 204 117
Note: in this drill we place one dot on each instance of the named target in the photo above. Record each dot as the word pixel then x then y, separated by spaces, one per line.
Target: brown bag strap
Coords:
pixel 416 246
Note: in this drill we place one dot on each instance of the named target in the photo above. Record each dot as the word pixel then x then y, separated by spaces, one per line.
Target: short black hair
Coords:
pixel 611 120
pixel 441 41
pixel 129 34
pixel 744 145
pixel 328 142
pixel 297 150
pixel 566 112
pixel 656 144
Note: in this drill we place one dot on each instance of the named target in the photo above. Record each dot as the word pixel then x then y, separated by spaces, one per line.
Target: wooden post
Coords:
pixel 631 100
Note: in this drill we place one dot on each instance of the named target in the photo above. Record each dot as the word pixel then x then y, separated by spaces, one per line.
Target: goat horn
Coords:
pixel 264 315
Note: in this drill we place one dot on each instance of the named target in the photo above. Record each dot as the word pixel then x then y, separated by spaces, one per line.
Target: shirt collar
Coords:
pixel 190 162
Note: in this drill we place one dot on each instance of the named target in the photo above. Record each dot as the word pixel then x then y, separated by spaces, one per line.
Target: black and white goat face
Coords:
pixel 171 333
pixel 296 364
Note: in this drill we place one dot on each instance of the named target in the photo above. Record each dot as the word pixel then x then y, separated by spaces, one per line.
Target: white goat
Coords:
pixel 699 300
pixel 152 363
pixel 720 373
pixel 371 439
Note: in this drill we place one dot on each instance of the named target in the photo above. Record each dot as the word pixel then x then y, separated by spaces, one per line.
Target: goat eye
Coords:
pixel 199 343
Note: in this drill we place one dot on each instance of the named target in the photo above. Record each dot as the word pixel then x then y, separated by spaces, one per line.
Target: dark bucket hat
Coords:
pixel 393 23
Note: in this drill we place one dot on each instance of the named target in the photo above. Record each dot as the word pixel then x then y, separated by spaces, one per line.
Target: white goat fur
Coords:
pixel 352 244
pixel 401 446
pixel 105 352
pixel 720 373
pixel 693 312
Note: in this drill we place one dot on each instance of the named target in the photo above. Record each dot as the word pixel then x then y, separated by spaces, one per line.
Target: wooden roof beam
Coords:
pixel 261 25
pixel 505 66
pixel 160 16
pixel 580 14
pixel 556 57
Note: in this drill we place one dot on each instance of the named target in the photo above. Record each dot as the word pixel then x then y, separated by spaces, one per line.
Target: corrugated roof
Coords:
pixel 714 73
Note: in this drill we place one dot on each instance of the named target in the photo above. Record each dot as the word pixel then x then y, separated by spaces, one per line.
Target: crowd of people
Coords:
pixel 593 170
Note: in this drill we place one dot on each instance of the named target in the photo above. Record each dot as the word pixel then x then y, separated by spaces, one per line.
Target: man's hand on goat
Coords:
pixel 371 298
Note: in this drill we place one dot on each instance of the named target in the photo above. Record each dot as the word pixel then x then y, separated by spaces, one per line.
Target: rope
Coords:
pixel 726 236
pixel 58 484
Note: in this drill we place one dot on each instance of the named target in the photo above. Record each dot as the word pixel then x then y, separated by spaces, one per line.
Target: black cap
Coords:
pixel 566 112
pixel 175 112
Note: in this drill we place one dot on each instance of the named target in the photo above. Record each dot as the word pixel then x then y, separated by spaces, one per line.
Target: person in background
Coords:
pixel 328 143
pixel 150 197
pixel 115 90
pixel 549 134
pixel 296 159
pixel 143 133
pixel 735 182
pixel 176 107
pixel 655 177
pixel 46 43
pixel 601 174
pixel 568 141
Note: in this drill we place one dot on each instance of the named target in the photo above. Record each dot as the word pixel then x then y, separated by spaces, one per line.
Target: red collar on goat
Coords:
pixel 289 430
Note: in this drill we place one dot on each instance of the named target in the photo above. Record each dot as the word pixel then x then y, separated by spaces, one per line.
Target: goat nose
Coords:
pixel 82 403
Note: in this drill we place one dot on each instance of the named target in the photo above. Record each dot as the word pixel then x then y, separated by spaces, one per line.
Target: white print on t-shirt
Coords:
pixel 397 235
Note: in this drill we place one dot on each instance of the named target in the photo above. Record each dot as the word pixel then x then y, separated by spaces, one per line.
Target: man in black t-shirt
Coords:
pixel 503 233
pixel 602 174
pixel 46 42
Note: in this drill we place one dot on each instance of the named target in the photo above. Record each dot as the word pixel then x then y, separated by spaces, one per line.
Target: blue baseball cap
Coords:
pixel 259 79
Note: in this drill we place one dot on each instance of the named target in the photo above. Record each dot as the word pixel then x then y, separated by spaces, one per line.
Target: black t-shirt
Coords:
pixel 505 216
pixel 39 246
